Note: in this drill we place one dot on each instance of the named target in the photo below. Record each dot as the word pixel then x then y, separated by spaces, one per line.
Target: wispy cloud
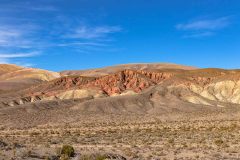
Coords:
pixel 24 28
pixel 81 44
pixel 206 24
pixel 18 36
pixel 8 57
pixel 20 6
pixel 18 55
pixel 203 27
pixel 7 34
pixel 17 41
pixel 85 32
pixel 199 34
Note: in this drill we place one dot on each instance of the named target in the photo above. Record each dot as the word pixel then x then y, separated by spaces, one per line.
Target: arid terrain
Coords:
pixel 133 111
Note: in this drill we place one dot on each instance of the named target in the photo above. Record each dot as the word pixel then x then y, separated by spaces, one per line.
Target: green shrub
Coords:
pixel 219 142
pixel 67 150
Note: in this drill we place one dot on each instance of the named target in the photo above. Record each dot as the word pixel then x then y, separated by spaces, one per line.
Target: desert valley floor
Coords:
pixel 125 112
pixel 126 138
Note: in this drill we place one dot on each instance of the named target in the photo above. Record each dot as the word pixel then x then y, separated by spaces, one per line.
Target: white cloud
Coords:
pixel 205 24
pixel 23 30
pixel 199 35
pixel 84 32
pixel 18 55
pixel 18 36
pixel 20 6
pixel 8 57
pixel 7 35
pixel 81 44
pixel 203 27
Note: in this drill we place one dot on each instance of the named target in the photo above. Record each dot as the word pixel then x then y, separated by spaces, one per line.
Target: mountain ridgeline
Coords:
pixel 125 89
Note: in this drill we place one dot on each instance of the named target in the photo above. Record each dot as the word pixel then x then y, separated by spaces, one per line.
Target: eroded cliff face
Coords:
pixel 223 91
pixel 211 87
pixel 128 80
pixel 111 84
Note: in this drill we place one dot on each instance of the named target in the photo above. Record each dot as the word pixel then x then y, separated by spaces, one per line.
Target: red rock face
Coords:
pixel 69 82
pixel 128 80
pixel 110 84
pixel 119 82
pixel 63 83
pixel 136 80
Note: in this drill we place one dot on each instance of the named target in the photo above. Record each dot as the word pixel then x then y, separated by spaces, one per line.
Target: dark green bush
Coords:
pixel 219 142
pixel 67 150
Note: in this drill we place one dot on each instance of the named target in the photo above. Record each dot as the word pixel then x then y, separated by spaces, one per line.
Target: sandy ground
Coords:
pixel 212 137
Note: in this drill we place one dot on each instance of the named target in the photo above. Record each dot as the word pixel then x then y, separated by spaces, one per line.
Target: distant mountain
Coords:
pixel 150 89
pixel 113 69
pixel 14 77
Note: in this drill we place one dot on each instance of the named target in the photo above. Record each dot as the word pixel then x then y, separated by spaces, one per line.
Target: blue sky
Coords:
pixel 79 34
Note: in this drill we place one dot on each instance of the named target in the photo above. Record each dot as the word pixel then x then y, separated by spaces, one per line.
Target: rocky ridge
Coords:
pixel 207 87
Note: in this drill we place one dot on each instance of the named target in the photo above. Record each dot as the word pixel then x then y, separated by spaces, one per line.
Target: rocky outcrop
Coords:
pixel 209 87
pixel 63 83
pixel 223 91
pixel 128 80
pixel 112 84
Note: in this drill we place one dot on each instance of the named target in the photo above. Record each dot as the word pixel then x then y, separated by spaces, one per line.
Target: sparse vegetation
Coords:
pixel 67 151
pixel 219 142
pixel 191 114
pixel 135 139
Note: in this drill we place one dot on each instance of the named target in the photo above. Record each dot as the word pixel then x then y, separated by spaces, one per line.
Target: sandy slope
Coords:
pixel 13 77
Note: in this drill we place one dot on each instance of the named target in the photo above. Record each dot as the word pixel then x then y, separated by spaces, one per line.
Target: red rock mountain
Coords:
pixel 211 87
pixel 35 96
